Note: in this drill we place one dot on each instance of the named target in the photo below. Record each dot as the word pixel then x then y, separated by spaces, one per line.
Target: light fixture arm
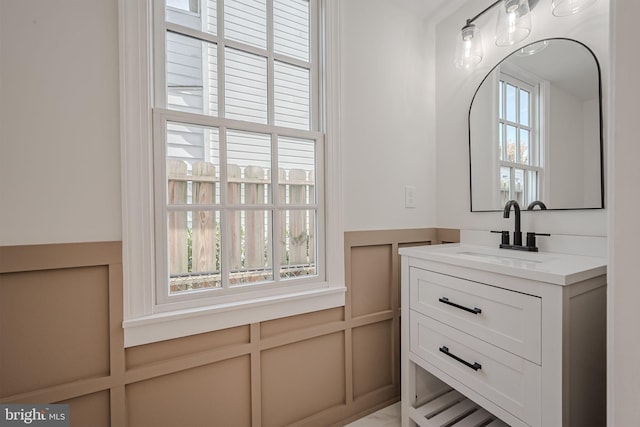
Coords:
pixel 470 21
pixel 532 4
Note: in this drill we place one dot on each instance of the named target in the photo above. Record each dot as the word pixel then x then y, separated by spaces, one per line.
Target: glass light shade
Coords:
pixel 569 7
pixel 532 48
pixel 468 47
pixel 514 22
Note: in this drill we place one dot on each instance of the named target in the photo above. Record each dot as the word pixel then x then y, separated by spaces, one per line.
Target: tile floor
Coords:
pixel 386 417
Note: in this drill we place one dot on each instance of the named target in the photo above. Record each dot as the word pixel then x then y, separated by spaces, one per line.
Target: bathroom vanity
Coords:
pixel 494 334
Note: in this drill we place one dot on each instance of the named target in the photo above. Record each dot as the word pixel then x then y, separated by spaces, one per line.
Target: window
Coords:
pixel 240 163
pixel 519 144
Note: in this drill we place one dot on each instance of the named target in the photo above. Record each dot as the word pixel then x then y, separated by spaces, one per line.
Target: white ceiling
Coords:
pixel 440 9
pixel 424 8
pixel 429 8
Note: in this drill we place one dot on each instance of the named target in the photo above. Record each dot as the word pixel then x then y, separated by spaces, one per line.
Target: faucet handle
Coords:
pixel 505 236
pixel 531 238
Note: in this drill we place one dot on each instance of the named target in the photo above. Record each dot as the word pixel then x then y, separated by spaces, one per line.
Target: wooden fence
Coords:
pixel 195 257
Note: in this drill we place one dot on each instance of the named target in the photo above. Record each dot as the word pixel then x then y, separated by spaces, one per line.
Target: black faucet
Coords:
pixel 517 234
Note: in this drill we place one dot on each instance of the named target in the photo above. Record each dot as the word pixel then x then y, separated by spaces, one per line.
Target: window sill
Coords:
pixel 176 324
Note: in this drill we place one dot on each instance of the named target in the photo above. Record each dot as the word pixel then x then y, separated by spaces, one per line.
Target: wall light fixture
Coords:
pixel 513 26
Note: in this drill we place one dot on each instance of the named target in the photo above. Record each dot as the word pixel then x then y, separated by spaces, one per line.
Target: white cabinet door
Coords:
pixel 509 381
pixel 510 320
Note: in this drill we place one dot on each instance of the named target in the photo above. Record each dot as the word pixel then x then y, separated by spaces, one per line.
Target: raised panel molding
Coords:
pixel 119 386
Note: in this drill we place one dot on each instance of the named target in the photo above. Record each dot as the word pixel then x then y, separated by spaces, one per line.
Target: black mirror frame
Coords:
pixel 601 130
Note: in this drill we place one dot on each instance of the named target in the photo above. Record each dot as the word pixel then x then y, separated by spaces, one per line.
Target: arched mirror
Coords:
pixel 535 130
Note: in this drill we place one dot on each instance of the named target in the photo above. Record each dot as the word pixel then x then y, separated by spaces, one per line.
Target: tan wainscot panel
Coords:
pixel 89 410
pixel 315 369
pixel 370 279
pixel 53 328
pixel 372 348
pixel 215 394
pixel 186 346
pixel 302 379
pixel 303 321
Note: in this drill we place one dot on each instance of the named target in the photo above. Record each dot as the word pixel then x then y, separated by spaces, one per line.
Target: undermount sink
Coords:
pixel 499 257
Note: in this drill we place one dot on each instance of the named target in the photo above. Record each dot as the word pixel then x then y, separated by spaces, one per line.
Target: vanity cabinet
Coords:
pixel 504 343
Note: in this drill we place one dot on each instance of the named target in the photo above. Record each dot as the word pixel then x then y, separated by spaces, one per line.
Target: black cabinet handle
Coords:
pixel 474 310
pixel 475 366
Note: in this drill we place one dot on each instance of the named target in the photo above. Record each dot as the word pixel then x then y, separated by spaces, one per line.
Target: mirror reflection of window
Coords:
pixel 519 142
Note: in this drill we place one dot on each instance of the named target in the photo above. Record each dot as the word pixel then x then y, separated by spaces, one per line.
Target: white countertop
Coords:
pixel 557 268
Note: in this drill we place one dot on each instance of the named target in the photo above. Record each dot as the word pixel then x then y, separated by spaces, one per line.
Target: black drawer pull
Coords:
pixel 474 310
pixel 475 366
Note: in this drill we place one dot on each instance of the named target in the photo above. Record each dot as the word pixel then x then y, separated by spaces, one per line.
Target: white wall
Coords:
pixel 624 229
pixel 385 116
pixel 591 157
pixel 567 116
pixel 59 133
pixel 59 125
pixel 454 90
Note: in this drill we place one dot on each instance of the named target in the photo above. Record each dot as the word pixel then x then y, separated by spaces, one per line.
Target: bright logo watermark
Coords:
pixel 34 415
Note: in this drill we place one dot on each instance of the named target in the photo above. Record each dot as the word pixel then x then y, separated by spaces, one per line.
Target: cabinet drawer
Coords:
pixel 507 319
pixel 509 381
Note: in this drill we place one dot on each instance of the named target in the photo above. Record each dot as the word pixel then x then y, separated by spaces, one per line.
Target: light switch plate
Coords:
pixel 409 196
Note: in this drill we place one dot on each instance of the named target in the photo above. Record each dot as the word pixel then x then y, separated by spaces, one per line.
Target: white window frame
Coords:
pixel 146 322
